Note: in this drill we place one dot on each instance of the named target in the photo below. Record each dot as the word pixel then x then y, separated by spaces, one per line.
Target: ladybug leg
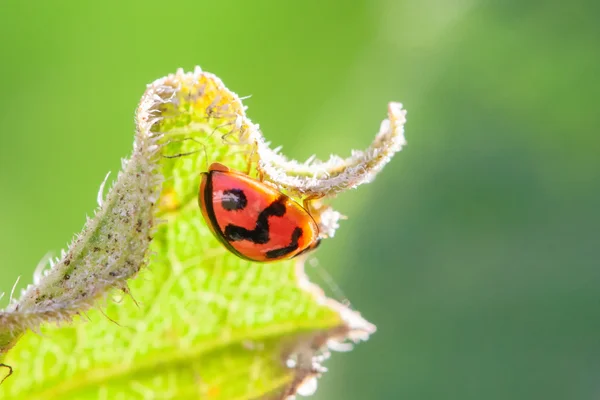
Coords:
pixel 226 136
pixel 251 160
pixel 307 202
pixel 184 139
pixel 211 110
pixel 219 127
pixel 261 175
pixel 235 124
pixel 309 206
pixel 189 152
pixel 10 371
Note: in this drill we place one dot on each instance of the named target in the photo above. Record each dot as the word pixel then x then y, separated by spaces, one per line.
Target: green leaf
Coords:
pixel 197 322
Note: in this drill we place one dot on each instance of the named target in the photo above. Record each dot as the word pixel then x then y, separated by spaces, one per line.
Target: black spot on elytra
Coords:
pixel 309 248
pixel 260 233
pixel 297 234
pixel 234 199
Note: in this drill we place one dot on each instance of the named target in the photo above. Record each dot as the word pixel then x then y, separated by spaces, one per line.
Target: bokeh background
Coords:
pixel 475 251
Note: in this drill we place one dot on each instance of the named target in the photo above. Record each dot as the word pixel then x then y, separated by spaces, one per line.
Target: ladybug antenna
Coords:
pixel 330 282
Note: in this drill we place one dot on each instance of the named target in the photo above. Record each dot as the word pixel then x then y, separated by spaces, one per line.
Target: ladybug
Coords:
pixel 252 219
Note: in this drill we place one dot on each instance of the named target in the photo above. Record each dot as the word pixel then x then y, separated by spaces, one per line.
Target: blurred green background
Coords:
pixel 475 251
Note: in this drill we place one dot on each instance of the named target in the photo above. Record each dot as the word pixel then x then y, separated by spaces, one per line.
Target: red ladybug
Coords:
pixel 252 219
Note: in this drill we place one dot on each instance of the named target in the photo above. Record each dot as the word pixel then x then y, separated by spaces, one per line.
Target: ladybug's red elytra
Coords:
pixel 252 219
